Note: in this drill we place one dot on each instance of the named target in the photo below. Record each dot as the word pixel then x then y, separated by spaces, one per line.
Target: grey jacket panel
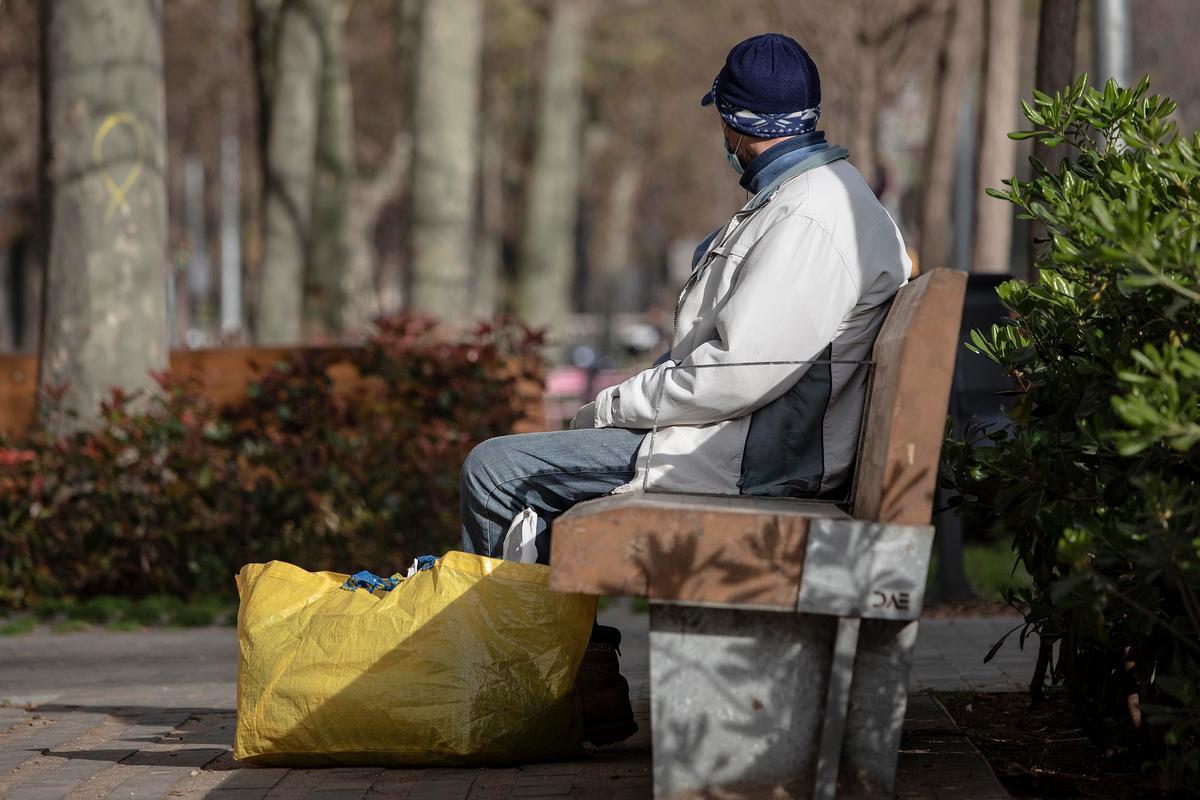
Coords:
pixel 804 443
pixel 785 448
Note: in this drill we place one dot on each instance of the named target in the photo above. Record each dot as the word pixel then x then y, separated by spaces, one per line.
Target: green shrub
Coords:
pixel 99 610
pixel 123 625
pixel 50 608
pixel 1099 479
pixel 155 609
pixel 194 616
pixel 171 496
pixel 18 626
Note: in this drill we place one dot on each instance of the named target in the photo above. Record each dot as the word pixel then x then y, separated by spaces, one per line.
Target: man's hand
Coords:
pixel 585 417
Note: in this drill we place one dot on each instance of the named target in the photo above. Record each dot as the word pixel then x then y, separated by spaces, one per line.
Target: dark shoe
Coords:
pixel 603 690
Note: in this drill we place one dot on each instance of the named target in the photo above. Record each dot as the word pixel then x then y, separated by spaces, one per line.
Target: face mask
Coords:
pixel 731 157
pixel 734 162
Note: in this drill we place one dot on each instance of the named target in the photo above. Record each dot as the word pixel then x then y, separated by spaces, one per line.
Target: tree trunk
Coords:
pixel 950 582
pixel 546 257
pixel 1055 69
pixel 489 244
pixel 199 273
pixel 955 64
pixel 32 280
pixel 997 153
pixel 328 283
pixel 407 21
pixel 289 165
pixel 368 201
pixel 8 284
pixel 390 275
pixel 616 244
pixel 231 184
pixel 866 111
pixel 1056 45
pixel 105 321
pixel 445 158
pixel 1113 42
pixel 265 19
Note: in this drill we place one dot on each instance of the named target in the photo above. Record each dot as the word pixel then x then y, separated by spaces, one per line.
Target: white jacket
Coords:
pixel 805 271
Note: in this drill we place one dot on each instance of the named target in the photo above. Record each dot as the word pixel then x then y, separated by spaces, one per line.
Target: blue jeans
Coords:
pixel 548 472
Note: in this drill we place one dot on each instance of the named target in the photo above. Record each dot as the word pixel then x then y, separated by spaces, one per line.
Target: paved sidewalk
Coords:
pixel 151 714
pixel 949 656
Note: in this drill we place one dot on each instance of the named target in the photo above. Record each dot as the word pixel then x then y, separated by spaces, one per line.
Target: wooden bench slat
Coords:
pixel 690 548
pixel 906 412
pixel 684 501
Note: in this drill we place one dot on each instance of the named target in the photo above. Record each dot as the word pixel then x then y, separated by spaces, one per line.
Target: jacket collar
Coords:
pixel 775 160
pixel 809 161
pixel 795 160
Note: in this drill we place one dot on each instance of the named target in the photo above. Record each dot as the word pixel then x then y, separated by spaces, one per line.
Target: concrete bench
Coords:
pixel 781 631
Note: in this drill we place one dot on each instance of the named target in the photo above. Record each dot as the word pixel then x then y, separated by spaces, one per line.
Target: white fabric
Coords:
pixel 815 265
pixel 520 542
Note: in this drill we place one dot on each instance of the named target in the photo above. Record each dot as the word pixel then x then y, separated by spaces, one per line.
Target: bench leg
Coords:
pixel 736 696
pixel 837 703
pixel 738 699
pixel 878 699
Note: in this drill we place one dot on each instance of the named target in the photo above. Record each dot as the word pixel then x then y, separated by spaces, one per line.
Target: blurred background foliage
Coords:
pixel 171 499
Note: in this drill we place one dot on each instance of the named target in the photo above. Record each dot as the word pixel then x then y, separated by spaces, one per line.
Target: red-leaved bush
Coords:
pixel 172 495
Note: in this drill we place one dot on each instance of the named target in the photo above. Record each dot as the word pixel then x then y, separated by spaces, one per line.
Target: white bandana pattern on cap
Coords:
pixel 767 126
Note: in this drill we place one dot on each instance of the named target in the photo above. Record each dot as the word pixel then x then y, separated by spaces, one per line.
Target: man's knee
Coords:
pixel 480 468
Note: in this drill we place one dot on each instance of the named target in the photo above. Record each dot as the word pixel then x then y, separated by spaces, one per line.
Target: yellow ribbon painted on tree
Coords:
pixel 116 192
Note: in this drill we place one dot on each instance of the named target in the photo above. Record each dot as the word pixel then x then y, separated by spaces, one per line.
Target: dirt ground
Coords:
pixel 1040 751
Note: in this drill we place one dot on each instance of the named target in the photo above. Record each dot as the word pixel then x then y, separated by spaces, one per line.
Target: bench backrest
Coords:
pixel 906 409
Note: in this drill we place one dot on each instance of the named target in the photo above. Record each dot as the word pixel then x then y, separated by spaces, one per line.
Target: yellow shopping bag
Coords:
pixel 471 662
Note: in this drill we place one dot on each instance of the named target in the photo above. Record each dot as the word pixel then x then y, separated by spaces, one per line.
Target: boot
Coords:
pixel 603 690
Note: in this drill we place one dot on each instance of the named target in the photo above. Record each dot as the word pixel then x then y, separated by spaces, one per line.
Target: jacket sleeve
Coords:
pixel 791 292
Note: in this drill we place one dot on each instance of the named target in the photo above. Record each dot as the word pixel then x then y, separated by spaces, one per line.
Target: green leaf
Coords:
pixel 1100 210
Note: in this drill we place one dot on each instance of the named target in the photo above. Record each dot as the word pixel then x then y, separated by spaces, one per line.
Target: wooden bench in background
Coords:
pixel 223 376
pixel 781 631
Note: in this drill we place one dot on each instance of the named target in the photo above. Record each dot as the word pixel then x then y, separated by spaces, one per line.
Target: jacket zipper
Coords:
pixel 720 240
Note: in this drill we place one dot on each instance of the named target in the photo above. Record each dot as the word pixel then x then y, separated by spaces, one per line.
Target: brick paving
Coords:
pixel 151 715
pixel 937 760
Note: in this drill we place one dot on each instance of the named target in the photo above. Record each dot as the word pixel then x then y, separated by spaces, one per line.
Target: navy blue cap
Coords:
pixel 774 79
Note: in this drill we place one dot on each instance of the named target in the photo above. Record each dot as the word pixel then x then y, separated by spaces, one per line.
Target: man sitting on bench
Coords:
pixel 763 389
